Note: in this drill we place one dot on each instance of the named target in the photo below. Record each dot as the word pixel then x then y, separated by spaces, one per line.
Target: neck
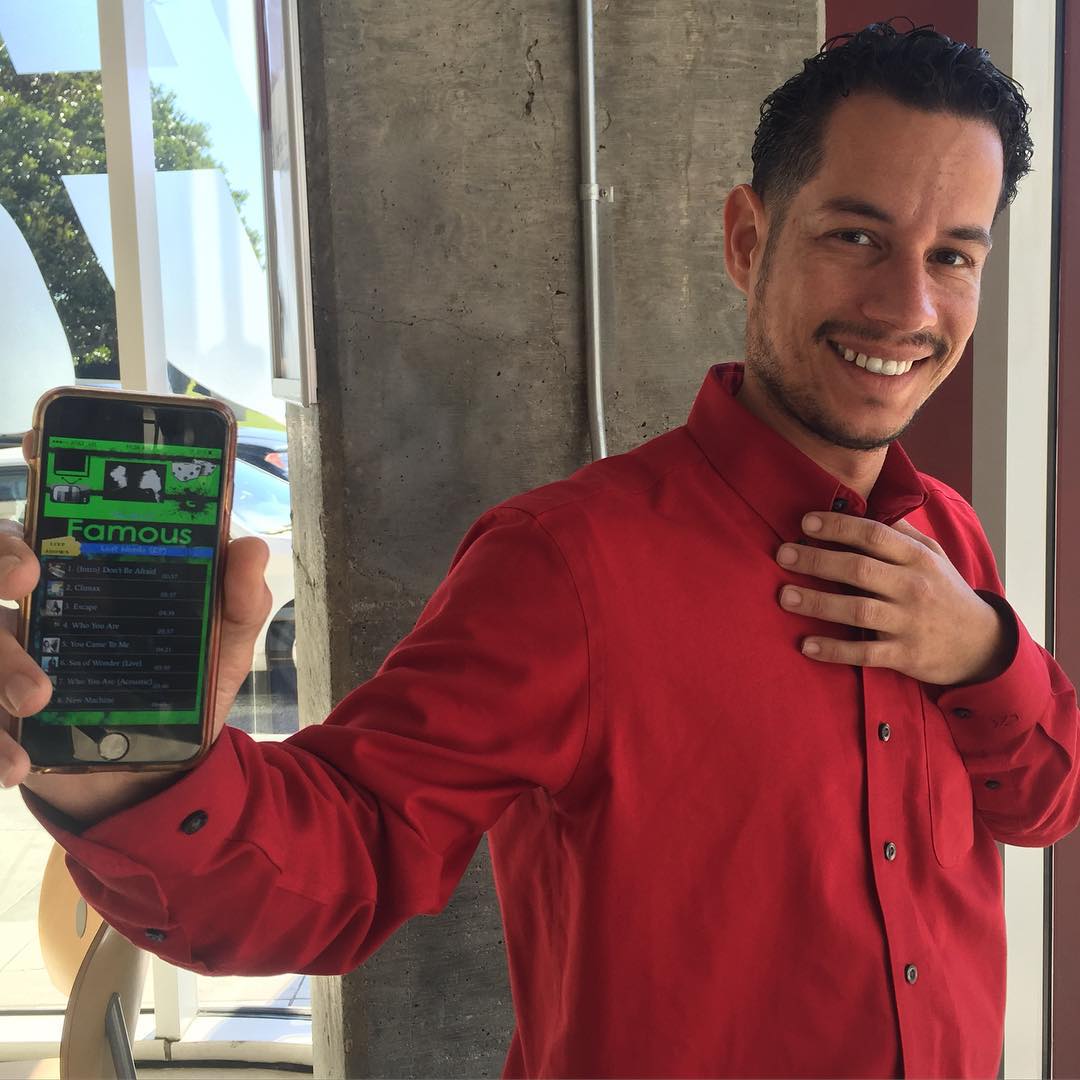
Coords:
pixel 858 469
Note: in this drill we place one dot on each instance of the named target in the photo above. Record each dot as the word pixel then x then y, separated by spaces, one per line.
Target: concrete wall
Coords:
pixel 443 177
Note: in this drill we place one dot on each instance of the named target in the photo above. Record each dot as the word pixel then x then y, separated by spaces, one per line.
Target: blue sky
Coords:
pixel 201 50
pixel 213 290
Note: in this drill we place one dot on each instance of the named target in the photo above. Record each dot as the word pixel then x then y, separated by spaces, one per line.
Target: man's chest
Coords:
pixel 706 699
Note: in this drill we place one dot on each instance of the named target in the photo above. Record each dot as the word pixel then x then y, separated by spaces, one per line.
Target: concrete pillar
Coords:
pixel 443 174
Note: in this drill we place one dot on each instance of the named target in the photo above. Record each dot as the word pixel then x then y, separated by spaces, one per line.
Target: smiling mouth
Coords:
pixel 874 364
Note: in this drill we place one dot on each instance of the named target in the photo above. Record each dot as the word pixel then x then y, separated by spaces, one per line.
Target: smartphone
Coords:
pixel 127 509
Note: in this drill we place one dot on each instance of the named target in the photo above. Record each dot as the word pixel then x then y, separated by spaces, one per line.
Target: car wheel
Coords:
pixel 281 672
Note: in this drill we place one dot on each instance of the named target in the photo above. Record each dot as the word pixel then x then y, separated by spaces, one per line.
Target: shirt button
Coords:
pixel 890 851
pixel 993 785
pixel 839 505
pixel 884 732
pixel 962 713
pixel 911 973
pixel 194 822
pixel 155 935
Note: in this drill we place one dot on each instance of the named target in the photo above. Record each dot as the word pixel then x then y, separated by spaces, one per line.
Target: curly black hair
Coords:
pixel 917 67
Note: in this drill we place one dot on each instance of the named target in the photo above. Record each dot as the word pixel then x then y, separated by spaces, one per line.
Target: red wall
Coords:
pixel 939 441
pixel 1066 940
pixel 1067 608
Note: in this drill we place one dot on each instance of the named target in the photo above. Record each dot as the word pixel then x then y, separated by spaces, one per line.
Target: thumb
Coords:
pixel 246 606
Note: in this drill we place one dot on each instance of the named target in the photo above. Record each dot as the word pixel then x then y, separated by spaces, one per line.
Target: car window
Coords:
pixel 260 500
pixel 13 491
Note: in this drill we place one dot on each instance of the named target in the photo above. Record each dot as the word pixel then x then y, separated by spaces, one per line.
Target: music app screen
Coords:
pixel 121 616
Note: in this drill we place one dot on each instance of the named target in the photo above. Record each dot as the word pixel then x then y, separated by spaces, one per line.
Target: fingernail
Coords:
pixel 791 597
pixel 13 768
pixel 8 565
pixel 811 648
pixel 786 556
pixel 19 689
pixel 812 523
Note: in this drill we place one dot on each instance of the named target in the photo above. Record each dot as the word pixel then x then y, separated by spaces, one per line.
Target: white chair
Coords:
pixel 103 975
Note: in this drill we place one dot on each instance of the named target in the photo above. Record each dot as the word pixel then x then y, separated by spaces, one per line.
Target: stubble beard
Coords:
pixel 764 362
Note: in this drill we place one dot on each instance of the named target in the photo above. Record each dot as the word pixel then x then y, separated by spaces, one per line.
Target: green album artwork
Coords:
pixel 175 484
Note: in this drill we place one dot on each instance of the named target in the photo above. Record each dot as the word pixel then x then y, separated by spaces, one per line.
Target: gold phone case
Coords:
pixel 206 720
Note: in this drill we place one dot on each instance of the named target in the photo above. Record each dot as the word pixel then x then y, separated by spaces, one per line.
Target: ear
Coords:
pixel 744 236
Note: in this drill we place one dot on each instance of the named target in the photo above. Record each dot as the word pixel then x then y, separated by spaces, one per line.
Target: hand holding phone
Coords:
pixel 127 511
pixel 92 797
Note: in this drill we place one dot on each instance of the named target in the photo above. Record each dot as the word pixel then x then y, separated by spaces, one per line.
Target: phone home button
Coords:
pixel 113 746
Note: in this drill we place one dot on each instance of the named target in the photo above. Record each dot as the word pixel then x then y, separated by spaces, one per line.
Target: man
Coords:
pixel 743 710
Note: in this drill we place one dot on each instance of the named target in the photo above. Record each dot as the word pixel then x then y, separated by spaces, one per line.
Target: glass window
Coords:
pixel 59 308
pixel 261 501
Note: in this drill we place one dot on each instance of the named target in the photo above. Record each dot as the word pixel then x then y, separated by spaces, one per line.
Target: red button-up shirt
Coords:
pixel 714 856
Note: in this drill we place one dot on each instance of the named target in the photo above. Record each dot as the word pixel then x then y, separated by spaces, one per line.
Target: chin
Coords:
pixel 837 435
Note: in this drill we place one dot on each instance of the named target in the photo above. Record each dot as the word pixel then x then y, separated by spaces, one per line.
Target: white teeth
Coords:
pixel 874 363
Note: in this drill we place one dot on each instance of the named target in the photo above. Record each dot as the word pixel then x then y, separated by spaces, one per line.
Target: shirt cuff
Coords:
pixel 988 717
pixel 175 832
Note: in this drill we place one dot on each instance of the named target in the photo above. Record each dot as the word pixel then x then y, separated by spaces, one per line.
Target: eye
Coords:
pixel 855 236
pixel 949 257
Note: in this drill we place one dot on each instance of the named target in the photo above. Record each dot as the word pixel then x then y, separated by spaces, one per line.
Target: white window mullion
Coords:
pixel 1010 455
pixel 176 999
pixel 129 155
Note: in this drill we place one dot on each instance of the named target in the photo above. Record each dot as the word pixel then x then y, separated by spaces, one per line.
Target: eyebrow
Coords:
pixel 848 204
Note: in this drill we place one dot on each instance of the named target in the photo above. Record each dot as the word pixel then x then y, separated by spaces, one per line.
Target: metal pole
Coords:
pixel 590 197
pixel 119 1039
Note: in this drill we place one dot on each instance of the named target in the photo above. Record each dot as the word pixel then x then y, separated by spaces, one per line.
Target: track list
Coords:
pixel 122 635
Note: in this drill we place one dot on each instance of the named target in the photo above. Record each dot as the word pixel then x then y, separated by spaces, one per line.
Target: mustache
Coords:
pixel 937 347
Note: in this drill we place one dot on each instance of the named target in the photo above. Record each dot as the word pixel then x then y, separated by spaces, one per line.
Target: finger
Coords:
pixel 867 574
pixel 246 606
pixel 865 612
pixel 874 537
pixel 856 653
pixel 246 596
pixel 24 688
pixel 18 567
pixel 27 446
pixel 14 761
pixel 922 538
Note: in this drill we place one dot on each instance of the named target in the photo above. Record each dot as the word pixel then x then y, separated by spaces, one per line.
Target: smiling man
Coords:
pixel 743 711
pixel 874 261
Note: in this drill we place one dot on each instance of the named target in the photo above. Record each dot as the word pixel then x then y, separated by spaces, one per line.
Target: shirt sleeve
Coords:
pixel 1017 733
pixel 305 855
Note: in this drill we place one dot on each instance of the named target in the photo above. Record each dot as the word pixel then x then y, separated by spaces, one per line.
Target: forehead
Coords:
pixel 918 165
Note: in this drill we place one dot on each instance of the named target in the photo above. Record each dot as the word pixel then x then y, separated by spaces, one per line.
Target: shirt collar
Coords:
pixel 778 480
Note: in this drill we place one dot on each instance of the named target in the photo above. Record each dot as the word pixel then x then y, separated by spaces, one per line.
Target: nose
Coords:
pixel 900 292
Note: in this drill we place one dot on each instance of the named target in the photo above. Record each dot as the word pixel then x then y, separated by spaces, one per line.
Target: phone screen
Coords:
pixel 128 530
